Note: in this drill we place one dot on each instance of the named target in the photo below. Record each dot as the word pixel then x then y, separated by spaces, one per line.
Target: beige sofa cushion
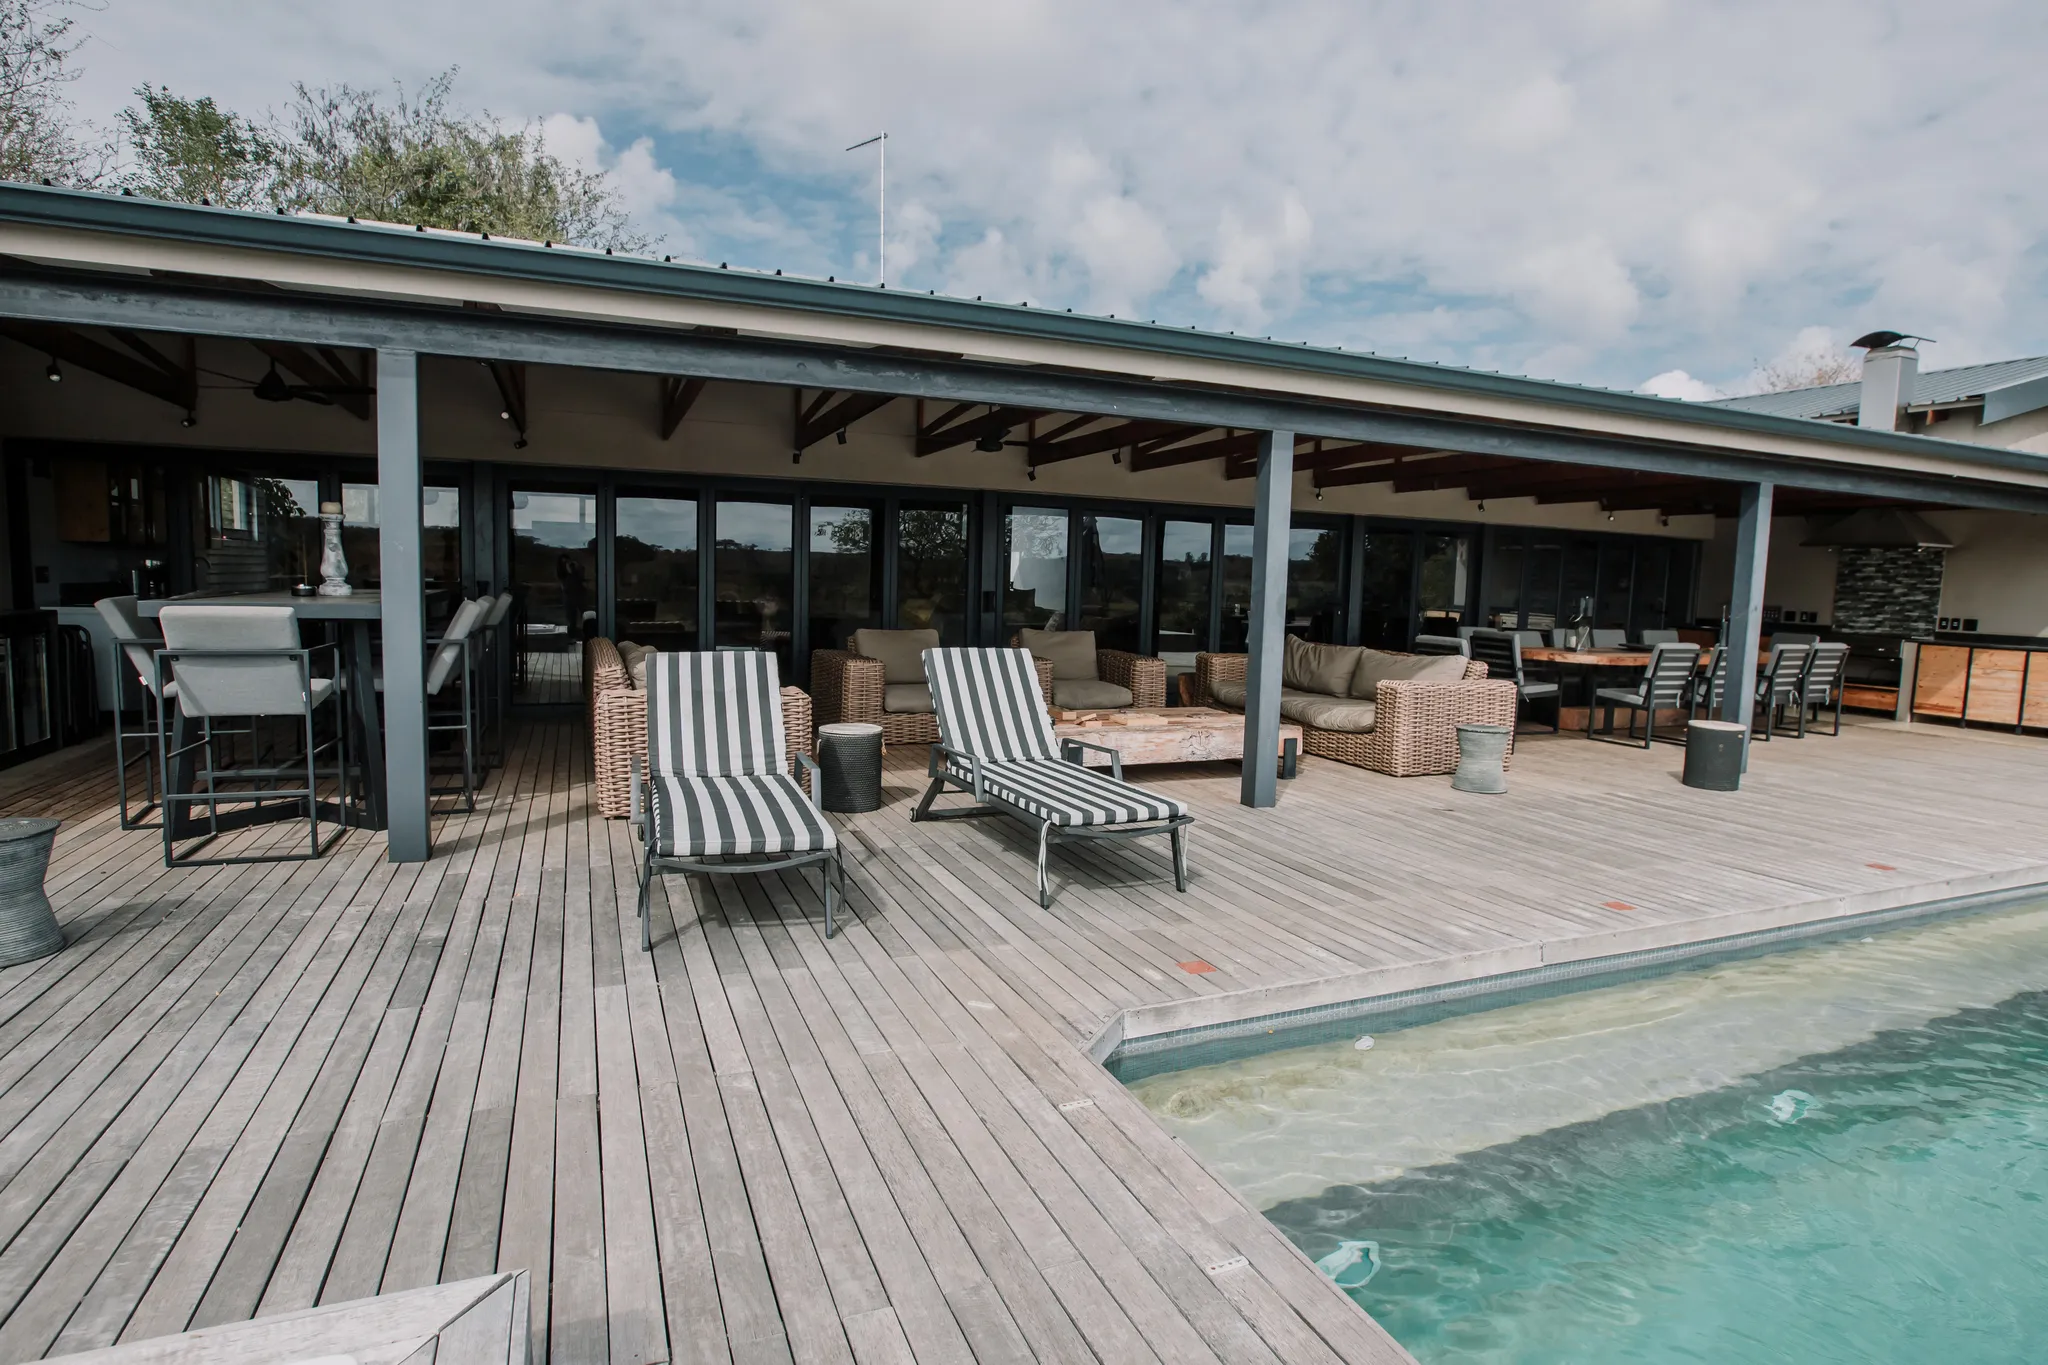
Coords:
pixel 634 657
pixel 1070 652
pixel 1318 668
pixel 901 653
pixel 1328 713
pixel 907 699
pixel 1230 694
pixel 1089 694
pixel 1376 666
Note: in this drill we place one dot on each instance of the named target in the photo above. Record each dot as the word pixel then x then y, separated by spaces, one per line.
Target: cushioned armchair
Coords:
pixel 1393 713
pixel 1085 678
pixel 879 679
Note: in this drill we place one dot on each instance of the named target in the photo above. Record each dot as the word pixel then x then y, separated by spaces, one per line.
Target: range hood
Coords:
pixel 1880 528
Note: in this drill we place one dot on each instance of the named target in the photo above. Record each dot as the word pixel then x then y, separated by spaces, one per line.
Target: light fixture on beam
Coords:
pixel 53 374
pixel 991 443
pixel 840 436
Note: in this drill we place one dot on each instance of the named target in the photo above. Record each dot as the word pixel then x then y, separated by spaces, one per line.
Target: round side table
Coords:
pixel 850 767
pixel 1713 754
pixel 1482 759
pixel 28 928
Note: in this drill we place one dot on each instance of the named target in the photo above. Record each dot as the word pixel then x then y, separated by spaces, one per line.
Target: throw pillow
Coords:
pixel 1327 669
pixel 901 652
pixel 1376 666
pixel 1070 652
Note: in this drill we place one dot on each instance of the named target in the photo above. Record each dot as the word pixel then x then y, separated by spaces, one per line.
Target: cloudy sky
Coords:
pixel 1620 192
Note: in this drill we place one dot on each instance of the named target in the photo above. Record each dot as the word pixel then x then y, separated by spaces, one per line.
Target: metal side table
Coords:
pixel 850 767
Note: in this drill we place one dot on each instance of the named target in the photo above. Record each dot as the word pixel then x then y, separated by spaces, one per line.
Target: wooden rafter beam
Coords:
pixel 1451 471
pixel 1047 452
pixel 678 395
pixel 1323 455
pixel 821 419
pixel 334 380
pixel 510 377
pixel 1158 455
pixel 159 377
pixel 954 427
pixel 1567 482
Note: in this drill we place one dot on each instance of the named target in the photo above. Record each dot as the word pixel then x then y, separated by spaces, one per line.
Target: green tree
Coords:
pixel 194 151
pixel 416 160
pixel 37 141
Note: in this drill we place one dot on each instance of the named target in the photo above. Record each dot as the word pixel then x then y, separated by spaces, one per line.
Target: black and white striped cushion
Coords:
pixel 988 704
pixel 695 817
pixel 1067 794
pixel 714 715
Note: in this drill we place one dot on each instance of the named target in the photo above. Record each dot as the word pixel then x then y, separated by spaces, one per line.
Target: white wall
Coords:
pixel 1798 578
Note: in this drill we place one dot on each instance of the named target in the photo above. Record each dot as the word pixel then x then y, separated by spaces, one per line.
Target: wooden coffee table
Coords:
pixel 1177 734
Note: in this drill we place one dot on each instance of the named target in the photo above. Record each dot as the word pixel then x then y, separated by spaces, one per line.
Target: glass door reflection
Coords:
pixel 654 567
pixel 1237 590
pixel 1035 570
pixel 1112 579
pixel 845 574
pixel 552 556
pixel 754 578
pixel 931 569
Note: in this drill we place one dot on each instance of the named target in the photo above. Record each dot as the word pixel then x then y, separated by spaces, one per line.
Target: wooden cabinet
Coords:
pixel 1982 685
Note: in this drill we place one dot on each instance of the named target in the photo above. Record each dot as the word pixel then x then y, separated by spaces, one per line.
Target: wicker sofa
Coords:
pixel 618 724
pixel 1141 675
pixel 1414 730
pixel 849 688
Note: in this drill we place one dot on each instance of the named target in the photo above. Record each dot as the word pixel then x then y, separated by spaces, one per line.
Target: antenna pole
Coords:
pixel 881 144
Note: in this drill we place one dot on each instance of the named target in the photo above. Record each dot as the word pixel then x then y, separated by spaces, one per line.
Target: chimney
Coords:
pixel 1891 365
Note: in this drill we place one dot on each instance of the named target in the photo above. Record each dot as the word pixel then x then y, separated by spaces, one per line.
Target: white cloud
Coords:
pixel 1620 186
pixel 1679 384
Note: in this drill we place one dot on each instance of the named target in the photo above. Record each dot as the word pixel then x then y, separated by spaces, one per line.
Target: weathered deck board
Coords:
pixel 255 1089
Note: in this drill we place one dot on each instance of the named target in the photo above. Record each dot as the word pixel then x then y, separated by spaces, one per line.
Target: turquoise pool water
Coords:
pixel 1835 1154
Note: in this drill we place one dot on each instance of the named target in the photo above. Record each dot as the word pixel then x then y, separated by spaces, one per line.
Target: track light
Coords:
pixel 519 444
pixel 53 374
pixel 190 419
pixel 1482 504
pixel 796 457
pixel 504 416
pixel 840 436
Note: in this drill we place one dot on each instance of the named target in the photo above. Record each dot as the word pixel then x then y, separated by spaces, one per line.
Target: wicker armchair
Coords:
pixel 1141 675
pixel 618 726
pixel 1415 730
pixel 848 688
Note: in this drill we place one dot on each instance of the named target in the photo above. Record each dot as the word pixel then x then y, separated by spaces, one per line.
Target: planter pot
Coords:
pixel 28 928
pixel 1482 755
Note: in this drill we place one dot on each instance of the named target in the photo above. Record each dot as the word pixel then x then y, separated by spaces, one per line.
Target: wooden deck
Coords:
pixel 251 1089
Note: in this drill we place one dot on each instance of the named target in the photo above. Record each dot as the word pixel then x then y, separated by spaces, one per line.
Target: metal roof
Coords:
pixel 460 253
pixel 1962 384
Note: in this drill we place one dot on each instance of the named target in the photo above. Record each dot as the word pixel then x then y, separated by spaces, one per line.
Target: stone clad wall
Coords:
pixel 1887 591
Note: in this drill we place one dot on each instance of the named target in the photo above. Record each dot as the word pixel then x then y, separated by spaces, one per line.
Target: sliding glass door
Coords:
pixel 754 578
pixel 655 573
pixel 1035 569
pixel 1112 580
pixel 845 575
pixel 931 569
pixel 552 557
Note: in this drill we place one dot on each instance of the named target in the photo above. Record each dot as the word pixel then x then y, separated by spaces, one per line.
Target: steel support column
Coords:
pixel 1746 605
pixel 405 675
pixel 1268 623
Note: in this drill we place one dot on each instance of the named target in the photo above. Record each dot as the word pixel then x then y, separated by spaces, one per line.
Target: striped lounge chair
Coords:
pixel 996 742
pixel 717 786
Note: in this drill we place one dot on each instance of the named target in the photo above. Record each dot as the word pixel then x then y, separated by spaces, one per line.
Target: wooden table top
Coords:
pixel 1166 718
pixel 1592 658
pixel 361 605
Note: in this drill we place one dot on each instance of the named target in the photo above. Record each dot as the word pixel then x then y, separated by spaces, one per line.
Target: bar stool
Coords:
pixel 244 662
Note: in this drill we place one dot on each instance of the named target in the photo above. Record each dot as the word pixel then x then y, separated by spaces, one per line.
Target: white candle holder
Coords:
pixel 333 563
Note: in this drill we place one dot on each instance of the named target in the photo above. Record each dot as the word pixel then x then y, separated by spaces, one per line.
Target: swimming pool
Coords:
pixel 1833 1153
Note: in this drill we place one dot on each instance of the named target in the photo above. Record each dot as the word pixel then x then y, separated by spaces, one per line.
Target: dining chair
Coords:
pixel 1821 687
pixel 1501 652
pixel 1780 684
pixel 244 662
pixel 1666 685
pixel 136 641
pixel 1610 639
pixel 1442 644
pixel 1653 638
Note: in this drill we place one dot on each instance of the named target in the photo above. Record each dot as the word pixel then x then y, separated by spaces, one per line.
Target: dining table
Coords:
pixel 354 619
